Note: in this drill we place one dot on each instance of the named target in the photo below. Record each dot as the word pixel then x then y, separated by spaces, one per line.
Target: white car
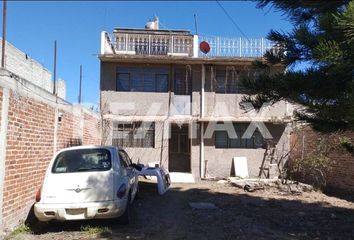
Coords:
pixel 88 182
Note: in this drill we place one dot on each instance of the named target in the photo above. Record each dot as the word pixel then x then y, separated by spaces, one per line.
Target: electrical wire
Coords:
pixel 231 19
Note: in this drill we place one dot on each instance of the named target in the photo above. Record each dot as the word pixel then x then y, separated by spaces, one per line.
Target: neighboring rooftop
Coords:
pixel 22 65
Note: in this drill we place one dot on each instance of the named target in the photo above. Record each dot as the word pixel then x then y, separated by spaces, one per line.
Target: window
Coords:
pixel 142 79
pixel 222 139
pixel 137 134
pixel 82 160
pixel 183 81
pixel 124 159
pixel 226 81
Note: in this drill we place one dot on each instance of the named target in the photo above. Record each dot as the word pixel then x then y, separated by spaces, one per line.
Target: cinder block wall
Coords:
pixel 37 127
pixel 341 174
pixel 21 64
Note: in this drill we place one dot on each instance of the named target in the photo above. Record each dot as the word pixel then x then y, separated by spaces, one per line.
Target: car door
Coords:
pixel 130 172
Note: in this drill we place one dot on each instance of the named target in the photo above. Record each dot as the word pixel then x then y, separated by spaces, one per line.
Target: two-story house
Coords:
pixel 168 103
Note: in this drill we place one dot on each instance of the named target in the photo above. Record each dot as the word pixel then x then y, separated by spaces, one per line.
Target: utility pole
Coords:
pixel 3 35
pixel 55 68
pixel 196 24
pixel 80 85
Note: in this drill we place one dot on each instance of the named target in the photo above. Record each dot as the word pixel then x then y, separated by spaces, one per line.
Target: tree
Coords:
pixel 323 39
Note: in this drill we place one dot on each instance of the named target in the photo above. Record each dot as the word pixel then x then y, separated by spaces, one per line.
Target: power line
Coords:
pixel 231 19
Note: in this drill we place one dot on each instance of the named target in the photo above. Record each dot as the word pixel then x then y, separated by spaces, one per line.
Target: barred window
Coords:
pixel 142 79
pixel 226 81
pixel 136 134
pixel 183 81
pixel 222 140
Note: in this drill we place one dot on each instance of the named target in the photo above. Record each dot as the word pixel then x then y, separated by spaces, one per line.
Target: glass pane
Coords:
pixel 136 81
pixel 221 139
pixel 220 83
pixel 250 142
pixel 161 82
pixel 235 142
pixel 243 143
pixel 180 86
pixel 149 82
pixel 123 161
pixel 148 141
pixel 82 160
pixel 123 82
pixel 258 139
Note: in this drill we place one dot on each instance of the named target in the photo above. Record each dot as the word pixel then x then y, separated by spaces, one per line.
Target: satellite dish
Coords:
pixel 204 47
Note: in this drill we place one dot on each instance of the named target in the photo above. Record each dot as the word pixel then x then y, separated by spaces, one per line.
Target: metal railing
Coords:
pixel 175 45
pixel 148 44
pixel 236 47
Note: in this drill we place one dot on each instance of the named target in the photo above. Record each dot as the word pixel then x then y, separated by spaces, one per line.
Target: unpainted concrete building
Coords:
pixel 21 64
pixel 168 103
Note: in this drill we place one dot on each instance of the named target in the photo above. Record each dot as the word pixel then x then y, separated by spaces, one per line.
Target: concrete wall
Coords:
pixel 217 106
pixel 134 103
pixel 19 63
pixel 219 161
pixel 34 125
pixel 227 105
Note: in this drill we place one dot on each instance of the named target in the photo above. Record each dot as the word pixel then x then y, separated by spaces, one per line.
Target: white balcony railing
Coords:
pixel 184 45
pixel 236 47
pixel 148 44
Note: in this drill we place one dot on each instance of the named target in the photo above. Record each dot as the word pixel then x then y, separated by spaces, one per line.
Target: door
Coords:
pixel 179 149
pixel 126 163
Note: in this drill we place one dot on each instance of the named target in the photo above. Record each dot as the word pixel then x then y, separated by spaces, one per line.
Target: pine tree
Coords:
pixel 323 39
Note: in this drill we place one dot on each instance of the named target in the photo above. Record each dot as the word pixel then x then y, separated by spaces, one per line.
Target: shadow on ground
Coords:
pixel 340 193
pixel 239 216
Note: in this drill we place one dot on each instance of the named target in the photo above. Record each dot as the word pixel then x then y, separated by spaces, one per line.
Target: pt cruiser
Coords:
pixel 88 182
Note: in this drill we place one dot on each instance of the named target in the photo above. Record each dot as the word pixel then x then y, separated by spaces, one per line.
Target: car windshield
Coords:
pixel 82 160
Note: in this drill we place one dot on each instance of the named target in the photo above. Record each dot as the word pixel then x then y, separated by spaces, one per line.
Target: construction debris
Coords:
pixel 252 185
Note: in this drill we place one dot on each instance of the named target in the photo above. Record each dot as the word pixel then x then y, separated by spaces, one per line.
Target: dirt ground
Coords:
pixel 263 214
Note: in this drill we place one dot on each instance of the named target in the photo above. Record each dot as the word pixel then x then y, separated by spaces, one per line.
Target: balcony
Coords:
pixel 182 43
pixel 152 44
pixel 237 47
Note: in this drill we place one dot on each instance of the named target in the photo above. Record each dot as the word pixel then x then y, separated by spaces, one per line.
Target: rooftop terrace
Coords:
pixel 153 41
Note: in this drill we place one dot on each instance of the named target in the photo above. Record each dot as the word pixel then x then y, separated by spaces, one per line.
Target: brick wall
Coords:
pixel 29 148
pixel 0 105
pixel 341 174
pixel 68 130
pixel 36 126
pixel 92 129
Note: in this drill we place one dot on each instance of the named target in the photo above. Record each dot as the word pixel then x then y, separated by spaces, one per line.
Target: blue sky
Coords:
pixel 33 27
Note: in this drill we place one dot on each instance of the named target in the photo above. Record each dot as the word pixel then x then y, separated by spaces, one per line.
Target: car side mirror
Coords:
pixel 137 166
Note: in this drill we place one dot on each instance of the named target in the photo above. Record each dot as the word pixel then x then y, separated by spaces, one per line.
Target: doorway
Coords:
pixel 179 149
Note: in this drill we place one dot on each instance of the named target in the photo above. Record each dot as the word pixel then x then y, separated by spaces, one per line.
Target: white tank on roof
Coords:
pixel 153 24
